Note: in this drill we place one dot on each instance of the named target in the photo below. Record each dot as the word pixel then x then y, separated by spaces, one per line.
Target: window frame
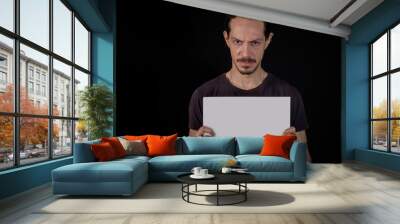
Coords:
pixel 388 74
pixel 16 114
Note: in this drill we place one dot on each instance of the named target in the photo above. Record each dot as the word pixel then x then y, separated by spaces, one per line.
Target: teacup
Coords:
pixel 203 172
pixel 196 170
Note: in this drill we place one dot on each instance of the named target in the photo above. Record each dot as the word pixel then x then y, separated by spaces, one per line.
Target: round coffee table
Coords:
pixel 238 179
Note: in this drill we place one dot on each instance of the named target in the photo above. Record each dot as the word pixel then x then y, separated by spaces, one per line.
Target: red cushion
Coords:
pixel 161 145
pixel 116 145
pixel 277 145
pixel 134 137
pixel 103 151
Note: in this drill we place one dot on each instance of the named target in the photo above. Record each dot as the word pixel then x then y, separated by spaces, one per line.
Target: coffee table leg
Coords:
pixel 217 194
pixel 188 189
pixel 196 188
pixel 245 193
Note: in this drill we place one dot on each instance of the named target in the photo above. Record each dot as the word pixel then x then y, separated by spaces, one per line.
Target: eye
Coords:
pixel 255 43
pixel 237 42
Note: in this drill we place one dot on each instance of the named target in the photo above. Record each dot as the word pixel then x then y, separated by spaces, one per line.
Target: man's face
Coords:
pixel 247 44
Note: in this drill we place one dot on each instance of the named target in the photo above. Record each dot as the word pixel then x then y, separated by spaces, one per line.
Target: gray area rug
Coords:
pixel 166 198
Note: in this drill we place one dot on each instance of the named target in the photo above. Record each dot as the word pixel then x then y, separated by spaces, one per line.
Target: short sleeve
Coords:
pixel 298 118
pixel 196 111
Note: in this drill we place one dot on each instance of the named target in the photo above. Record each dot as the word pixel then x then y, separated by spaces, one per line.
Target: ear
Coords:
pixel 226 38
pixel 268 41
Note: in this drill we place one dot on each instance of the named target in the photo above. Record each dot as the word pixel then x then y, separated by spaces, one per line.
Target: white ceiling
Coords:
pixel 319 9
pixel 314 15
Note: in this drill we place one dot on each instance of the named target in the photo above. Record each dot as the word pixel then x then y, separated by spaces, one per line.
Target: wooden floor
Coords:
pixel 354 182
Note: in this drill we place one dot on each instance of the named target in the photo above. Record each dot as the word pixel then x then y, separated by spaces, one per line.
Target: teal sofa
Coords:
pixel 126 175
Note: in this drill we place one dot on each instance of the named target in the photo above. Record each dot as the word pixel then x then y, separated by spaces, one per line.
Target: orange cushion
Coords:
pixel 161 145
pixel 116 145
pixel 103 151
pixel 134 138
pixel 277 145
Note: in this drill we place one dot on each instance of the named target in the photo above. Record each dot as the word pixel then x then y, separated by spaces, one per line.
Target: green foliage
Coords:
pixel 96 102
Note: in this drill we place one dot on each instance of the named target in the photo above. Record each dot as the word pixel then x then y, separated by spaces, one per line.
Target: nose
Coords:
pixel 245 50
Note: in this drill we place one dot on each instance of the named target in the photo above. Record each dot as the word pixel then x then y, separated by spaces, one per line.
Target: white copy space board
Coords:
pixel 246 116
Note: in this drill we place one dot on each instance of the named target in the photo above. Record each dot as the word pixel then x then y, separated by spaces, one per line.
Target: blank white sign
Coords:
pixel 246 116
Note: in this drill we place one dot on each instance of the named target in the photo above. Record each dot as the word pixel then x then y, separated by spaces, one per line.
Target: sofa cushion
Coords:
pixel 136 137
pixel 257 163
pixel 206 145
pixel 111 171
pixel 249 145
pixel 161 145
pixel 116 145
pixel 134 147
pixel 185 163
pixel 277 145
pixel 103 151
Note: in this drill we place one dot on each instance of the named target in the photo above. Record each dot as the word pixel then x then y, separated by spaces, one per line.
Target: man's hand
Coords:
pixel 301 137
pixel 290 131
pixel 202 132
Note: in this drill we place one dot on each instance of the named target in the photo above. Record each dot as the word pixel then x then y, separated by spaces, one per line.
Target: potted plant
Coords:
pixel 96 103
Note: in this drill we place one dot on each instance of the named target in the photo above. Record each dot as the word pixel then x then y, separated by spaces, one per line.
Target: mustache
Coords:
pixel 246 59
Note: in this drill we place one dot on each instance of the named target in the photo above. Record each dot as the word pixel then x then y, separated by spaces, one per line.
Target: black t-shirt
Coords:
pixel 271 86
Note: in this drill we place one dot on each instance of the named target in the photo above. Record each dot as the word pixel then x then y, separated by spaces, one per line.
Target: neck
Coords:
pixel 246 82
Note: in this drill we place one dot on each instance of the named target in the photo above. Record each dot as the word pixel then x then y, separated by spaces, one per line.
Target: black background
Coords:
pixel 165 51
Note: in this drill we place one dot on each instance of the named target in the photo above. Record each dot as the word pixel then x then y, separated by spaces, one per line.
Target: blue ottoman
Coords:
pixel 118 177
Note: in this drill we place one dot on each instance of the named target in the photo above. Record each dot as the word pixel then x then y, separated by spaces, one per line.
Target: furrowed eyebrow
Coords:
pixel 256 40
pixel 234 38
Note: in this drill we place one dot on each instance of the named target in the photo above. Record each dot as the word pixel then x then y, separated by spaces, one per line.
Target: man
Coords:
pixel 247 39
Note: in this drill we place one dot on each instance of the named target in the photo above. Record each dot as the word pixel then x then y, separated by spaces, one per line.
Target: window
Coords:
pixel 43 77
pixel 30 72
pixel 3 61
pixel 30 87
pixel 6 73
pixel 38 89
pixel 81 81
pixel 62 29
pixel 81 45
pixel 38 74
pixel 3 78
pixel 3 72
pixel 44 91
pixel 47 73
pixel 6 143
pixel 7 14
pixel 62 75
pixel 385 91
pixel 35 21
pixel 62 143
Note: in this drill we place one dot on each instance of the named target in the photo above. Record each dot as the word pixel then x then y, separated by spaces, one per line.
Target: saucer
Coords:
pixel 208 176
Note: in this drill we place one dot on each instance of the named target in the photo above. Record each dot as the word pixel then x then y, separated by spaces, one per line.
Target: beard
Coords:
pixel 246 71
